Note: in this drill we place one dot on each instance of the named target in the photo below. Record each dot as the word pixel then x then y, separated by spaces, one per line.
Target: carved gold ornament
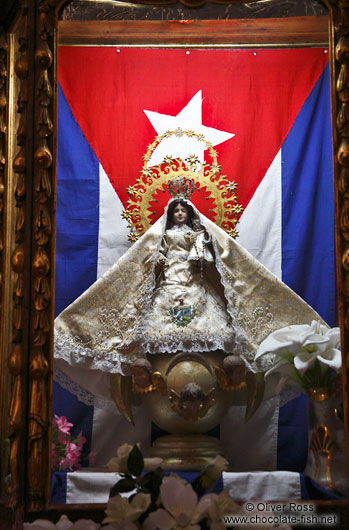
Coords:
pixel 158 384
pixel 42 16
pixel 322 445
pixel 206 176
pixel 225 382
pixel 192 405
pixel 190 400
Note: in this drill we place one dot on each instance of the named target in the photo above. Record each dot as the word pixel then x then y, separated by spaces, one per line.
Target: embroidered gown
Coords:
pixel 187 313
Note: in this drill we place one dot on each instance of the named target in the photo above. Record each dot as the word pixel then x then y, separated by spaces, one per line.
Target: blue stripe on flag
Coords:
pixel 292 449
pixel 307 241
pixel 58 489
pixel 76 243
pixel 77 209
pixel 308 204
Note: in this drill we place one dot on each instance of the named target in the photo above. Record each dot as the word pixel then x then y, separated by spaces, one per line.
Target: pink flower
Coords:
pixel 62 438
pixel 80 440
pixel 62 424
pixel 217 506
pixel 72 457
pixel 215 468
pixel 65 451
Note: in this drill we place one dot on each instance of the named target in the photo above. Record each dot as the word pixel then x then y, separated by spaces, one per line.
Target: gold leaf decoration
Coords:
pixel 205 175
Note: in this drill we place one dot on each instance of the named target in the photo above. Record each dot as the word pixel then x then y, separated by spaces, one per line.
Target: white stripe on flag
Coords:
pixel 106 441
pixel 113 230
pixel 269 486
pixel 260 228
pixel 240 445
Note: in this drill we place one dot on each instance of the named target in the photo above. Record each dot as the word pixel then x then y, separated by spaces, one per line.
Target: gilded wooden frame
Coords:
pixel 27 219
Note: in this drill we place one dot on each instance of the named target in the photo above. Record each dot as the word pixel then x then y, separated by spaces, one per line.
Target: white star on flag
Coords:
pixel 189 118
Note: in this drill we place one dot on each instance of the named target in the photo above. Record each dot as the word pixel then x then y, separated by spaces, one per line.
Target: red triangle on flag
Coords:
pixel 255 94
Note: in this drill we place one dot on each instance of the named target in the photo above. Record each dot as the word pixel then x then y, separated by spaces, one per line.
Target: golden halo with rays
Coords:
pixel 205 175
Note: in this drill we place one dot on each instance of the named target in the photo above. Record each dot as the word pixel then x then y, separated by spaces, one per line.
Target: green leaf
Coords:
pixel 297 376
pixel 197 485
pixel 326 377
pixel 124 485
pixel 135 462
pixel 288 356
pixel 317 372
pixel 311 348
pixel 308 380
pixel 152 481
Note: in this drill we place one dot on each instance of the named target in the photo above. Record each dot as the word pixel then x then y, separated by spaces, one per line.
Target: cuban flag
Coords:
pixel 267 113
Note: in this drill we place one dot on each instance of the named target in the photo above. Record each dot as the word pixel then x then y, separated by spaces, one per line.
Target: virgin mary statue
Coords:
pixel 184 286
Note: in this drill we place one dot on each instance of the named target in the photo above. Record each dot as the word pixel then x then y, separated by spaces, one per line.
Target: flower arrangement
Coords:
pixel 65 450
pixel 153 501
pixel 309 356
pixel 164 502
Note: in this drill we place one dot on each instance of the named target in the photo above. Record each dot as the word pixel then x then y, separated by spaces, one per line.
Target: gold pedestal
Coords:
pixel 191 452
pixel 186 395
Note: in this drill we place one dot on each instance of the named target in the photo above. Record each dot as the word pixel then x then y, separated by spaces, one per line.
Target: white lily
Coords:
pixel 306 343
pixel 331 358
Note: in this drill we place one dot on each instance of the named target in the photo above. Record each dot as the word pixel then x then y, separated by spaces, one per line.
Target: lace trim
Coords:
pixel 241 341
pixel 74 354
pixel 261 318
pixel 196 343
pixel 91 400
pixel 83 395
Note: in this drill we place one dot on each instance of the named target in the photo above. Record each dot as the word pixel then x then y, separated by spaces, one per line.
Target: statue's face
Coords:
pixel 180 215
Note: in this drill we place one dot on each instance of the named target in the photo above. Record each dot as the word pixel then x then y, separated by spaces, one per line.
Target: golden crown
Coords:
pixel 181 187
